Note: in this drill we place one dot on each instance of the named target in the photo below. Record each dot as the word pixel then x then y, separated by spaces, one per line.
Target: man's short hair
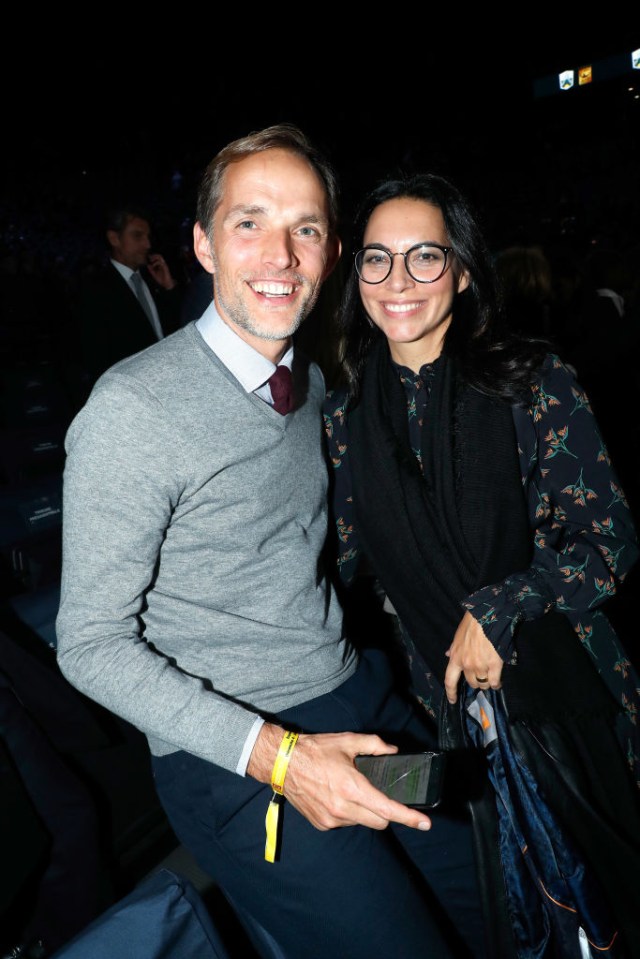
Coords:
pixel 282 136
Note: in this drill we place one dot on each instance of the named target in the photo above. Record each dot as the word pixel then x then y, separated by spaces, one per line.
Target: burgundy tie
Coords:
pixel 281 383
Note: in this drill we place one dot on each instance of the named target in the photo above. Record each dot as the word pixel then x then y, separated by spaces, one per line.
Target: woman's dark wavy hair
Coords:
pixel 490 358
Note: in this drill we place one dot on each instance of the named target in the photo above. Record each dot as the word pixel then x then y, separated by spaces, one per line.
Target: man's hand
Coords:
pixel 471 653
pixel 323 783
pixel 157 266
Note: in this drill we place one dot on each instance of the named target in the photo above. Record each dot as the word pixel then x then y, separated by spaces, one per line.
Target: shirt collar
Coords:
pixel 124 271
pixel 249 367
pixel 427 371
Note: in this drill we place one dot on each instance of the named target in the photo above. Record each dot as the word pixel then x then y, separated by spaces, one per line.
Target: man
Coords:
pixel 132 302
pixel 194 603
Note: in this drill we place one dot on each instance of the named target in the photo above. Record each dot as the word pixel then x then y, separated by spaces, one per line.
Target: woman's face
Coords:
pixel 413 316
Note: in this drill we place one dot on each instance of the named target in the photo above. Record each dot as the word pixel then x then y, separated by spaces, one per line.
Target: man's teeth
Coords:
pixel 273 289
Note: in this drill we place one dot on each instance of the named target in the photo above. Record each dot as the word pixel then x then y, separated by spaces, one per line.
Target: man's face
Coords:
pixel 271 247
pixel 132 244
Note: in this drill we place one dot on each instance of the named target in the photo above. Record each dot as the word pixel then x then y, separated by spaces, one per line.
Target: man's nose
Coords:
pixel 279 249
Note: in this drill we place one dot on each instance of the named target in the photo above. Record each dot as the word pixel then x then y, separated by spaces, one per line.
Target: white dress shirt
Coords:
pixel 126 272
pixel 250 368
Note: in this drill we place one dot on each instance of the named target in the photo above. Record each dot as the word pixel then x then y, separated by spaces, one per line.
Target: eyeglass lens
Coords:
pixel 424 263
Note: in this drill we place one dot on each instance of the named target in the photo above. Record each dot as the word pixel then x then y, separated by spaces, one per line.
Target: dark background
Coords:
pixel 105 104
pixel 91 121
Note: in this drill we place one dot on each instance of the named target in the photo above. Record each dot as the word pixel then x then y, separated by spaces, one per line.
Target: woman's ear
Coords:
pixel 463 281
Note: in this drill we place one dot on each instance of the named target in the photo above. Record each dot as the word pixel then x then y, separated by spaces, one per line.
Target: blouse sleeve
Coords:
pixel 341 492
pixel 585 541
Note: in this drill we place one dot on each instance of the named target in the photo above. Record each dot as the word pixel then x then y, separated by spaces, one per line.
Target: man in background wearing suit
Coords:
pixel 130 304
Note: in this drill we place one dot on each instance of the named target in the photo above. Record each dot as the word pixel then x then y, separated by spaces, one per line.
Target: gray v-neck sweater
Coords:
pixel 194 518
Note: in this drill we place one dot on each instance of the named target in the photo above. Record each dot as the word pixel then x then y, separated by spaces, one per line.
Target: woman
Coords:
pixel 445 419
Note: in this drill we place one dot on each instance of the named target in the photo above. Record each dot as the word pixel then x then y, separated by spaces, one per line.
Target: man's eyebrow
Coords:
pixel 319 218
pixel 240 209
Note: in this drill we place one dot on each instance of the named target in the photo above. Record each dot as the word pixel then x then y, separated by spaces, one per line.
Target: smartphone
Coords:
pixel 414 779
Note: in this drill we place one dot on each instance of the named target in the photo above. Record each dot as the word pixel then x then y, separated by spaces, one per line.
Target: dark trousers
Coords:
pixel 352 892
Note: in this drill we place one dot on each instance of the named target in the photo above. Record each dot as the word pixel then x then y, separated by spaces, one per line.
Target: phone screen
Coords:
pixel 414 779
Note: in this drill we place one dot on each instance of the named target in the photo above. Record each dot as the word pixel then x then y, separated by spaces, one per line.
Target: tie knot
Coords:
pixel 281 384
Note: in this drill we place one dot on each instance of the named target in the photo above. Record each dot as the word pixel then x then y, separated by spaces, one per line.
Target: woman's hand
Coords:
pixel 471 653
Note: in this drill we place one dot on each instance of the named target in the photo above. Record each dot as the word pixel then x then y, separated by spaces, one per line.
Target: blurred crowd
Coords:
pixel 556 185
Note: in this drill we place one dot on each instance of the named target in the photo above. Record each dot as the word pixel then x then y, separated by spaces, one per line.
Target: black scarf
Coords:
pixel 434 540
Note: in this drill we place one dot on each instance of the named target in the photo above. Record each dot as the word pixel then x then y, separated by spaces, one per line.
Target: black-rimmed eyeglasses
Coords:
pixel 425 262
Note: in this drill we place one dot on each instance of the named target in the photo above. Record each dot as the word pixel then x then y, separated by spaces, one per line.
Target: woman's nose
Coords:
pixel 399 277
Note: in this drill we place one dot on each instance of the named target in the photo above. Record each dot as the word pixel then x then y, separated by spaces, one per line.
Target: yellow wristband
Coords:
pixel 278 773
pixel 281 764
pixel 272 822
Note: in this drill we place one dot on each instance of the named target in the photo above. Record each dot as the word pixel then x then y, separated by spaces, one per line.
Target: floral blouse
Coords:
pixel 584 535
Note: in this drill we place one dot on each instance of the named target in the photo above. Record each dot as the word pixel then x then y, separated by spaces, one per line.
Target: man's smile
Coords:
pixel 272 287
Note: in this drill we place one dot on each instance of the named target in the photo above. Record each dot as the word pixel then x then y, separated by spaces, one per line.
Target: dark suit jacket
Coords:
pixel 112 323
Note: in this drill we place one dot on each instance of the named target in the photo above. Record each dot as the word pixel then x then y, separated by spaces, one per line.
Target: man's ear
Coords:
pixel 113 239
pixel 333 255
pixel 202 248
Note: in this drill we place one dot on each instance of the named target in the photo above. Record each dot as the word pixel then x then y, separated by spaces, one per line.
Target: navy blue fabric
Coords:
pixel 163 918
pixel 350 891
pixel 551 891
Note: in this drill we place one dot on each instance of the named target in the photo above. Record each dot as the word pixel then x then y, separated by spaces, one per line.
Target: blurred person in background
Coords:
pixel 129 304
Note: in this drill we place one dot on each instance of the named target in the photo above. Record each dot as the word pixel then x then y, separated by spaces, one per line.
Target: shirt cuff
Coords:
pixel 498 614
pixel 247 749
pixel 499 608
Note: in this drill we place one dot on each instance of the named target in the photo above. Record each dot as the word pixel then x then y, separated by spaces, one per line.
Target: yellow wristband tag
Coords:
pixel 273 815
